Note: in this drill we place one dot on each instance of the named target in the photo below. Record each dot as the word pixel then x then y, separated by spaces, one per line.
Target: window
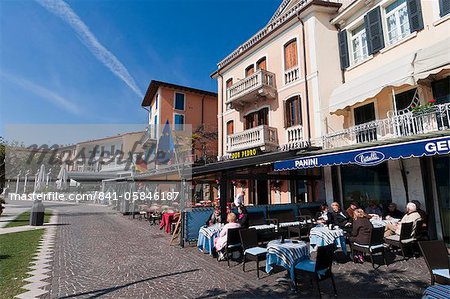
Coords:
pixel 397 20
pixel 229 82
pixel 444 7
pixel 365 114
pixel 404 100
pixel 293 112
pixel 359 44
pixel 179 101
pixel 441 90
pixel 261 64
pixel 155 128
pixel 230 127
pixel 179 121
pixel 290 55
pixel 113 150
pixel 257 118
pixel 249 70
pixel 156 101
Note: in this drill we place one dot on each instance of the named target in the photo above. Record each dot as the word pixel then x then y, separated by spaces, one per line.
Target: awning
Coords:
pixel 365 87
pixel 371 156
pixel 432 60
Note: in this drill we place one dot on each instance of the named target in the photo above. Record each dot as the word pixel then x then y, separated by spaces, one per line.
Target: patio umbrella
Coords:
pixel 62 178
pixel 40 179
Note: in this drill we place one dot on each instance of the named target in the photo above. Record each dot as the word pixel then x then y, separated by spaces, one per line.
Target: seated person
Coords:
pixel 422 213
pixel 242 216
pixel 393 212
pixel 411 216
pixel 221 241
pixel 214 218
pixel 324 216
pixel 338 217
pixel 373 210
pixel 351 209
pixel 362 228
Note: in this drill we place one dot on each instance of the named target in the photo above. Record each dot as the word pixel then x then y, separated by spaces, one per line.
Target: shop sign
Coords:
pixel 247 153
pixel 369 158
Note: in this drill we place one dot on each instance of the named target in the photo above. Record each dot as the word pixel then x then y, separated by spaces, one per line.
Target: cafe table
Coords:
pixel 167 219
pixel 286 254
pixel 322 236
pixel 206 236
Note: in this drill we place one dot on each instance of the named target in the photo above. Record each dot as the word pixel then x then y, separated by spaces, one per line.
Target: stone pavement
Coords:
pixel 99 253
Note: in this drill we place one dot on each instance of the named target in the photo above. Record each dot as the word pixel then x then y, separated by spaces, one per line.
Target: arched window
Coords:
pixel 290 54
pixel 229 82
pixel 261 64
pixel 249 70
pixel 293 111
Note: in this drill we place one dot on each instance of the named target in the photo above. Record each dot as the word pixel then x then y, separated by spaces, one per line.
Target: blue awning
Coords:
pixel 371 156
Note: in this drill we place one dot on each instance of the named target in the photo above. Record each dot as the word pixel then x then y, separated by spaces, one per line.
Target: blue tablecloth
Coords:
pixel 437 292
pixel 322 236
pixel 206 236
pixel 286 254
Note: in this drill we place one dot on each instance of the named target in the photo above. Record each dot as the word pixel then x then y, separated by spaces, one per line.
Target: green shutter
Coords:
pixel 414 15
pixel 343 49
pixel 374 30
pixel 444 7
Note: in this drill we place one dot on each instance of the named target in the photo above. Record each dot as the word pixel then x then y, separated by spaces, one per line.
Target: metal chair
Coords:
pixel 436 256
pixel 252 251
pixel 233 243
pixel 376 245
pixel 321 268
pixel 406 237
pixel 303 228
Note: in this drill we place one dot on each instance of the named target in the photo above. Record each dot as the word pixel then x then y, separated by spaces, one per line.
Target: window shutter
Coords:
pixel 262 64
pixel 444 6
pixel 290 55
pixel 415 15
pixel 343 49
pixel 374 30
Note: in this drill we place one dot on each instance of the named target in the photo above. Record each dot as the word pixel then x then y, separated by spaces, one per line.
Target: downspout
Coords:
pixel 308 119
pixel 221 110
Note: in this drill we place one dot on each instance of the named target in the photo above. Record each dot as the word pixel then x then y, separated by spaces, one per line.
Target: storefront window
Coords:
pixel 365 184
pixel 442 174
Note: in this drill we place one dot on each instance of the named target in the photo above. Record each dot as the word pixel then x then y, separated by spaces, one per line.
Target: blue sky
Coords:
pixel 84 62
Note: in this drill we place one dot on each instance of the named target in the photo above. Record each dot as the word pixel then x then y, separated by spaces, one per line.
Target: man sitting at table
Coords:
pixel 324 216
pixel 393 212
pixel 373 210
pixel 221 241
pixel 339 218
pixel 411 216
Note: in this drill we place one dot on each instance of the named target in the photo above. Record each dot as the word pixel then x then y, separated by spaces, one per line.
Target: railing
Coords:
pixel 436 118
pixel 257 80
pixel 294 138
pixel 291 75
pixel 251 138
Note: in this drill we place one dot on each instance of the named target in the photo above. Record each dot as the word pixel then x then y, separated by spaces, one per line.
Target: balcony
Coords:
pixel 436 118
pixel 147 139
pixel 250 89
pixel 294 139
pixel 263 137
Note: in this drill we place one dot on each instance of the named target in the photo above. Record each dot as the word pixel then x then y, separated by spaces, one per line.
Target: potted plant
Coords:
pixel 425 108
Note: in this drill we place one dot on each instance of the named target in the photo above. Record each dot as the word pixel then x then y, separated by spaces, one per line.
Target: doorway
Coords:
pixel 262 195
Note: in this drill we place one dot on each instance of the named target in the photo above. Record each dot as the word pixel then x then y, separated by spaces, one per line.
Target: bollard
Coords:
pixel 37 213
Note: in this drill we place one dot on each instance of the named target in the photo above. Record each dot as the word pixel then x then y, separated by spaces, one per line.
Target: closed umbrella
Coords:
pixel 40 178
pixel 62 178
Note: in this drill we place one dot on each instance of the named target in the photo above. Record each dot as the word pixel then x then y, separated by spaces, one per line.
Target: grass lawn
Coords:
pixel 16 252
pixel 24 219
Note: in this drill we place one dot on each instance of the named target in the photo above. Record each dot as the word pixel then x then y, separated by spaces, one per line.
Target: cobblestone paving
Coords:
pixel 99 253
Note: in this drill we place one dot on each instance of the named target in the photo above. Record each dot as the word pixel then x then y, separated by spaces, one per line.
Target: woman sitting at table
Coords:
pixel 373 210
pixel 361 231
pixel 393 212
pixel 324 216
pixel 221 241
pixel 338 218
pixel 242 216
pixel 214 218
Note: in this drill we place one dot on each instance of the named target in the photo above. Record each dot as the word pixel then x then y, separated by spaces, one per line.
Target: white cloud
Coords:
pixel 65 12
pixel 43 93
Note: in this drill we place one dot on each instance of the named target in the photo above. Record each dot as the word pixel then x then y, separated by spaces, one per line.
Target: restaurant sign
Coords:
pixel 247 153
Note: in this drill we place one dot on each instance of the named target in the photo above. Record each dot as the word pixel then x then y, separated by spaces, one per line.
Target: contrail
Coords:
pixel 43 92
pixel 65 12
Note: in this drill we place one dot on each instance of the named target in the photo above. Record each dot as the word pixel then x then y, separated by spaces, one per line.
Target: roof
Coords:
pixel 285 12
pixel 111 137
pixel 154 85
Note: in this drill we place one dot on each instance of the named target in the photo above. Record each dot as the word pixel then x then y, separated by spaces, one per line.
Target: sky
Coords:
pixel 90 61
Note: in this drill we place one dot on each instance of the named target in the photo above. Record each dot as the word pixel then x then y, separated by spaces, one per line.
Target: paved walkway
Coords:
pixel 11 212
pixel 99 253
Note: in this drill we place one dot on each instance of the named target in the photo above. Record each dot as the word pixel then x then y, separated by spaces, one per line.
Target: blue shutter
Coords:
pixel 444 7
pixel 343 49
pixel 374 30
pixel 414 15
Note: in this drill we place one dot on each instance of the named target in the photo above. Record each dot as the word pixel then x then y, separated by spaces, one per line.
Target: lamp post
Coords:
pixel 25 181
pixel 17 182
